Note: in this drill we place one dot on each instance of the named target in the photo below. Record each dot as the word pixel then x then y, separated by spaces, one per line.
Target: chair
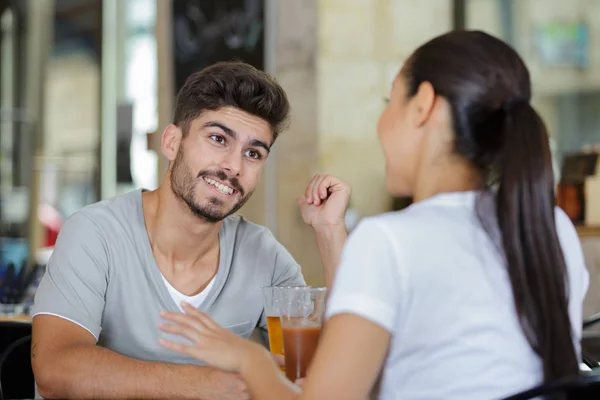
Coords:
pixel 590 342
pixel 591 320
pixel 16 374
pixel 579 388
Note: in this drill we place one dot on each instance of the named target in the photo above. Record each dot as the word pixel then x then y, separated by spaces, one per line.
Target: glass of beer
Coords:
pixel 302 310
pixel 273 319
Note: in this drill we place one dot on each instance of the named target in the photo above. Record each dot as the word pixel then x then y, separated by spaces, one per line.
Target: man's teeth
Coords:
pixel 220 187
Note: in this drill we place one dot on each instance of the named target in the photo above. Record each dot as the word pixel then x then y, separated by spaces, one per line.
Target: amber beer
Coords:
pixel 273 320
pixel 275 335
pixel 300 344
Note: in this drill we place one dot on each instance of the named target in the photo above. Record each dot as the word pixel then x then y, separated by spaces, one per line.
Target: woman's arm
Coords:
pixel 349 358
pixel 348 361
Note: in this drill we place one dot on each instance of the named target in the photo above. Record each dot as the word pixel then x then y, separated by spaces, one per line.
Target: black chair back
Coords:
pixel 16 374
pixel 590 342
pixel 579 388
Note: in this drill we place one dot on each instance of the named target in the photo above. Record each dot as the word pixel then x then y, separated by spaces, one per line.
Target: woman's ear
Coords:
pixel 423 103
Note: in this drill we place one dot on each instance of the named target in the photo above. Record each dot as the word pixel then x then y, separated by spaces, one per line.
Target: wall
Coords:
pixel 362 45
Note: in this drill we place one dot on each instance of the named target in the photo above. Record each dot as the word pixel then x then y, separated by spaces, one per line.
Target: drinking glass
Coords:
pixel 273 319
pixel 302 310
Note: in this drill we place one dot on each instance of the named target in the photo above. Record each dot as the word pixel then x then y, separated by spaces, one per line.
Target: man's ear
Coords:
pixel 170 141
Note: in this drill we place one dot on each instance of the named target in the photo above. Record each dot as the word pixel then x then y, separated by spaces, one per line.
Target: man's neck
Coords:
pixel 178 238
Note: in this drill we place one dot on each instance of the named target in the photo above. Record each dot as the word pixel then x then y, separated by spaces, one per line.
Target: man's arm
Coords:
pixel 330 240
pixel 323 207
pixel 67 363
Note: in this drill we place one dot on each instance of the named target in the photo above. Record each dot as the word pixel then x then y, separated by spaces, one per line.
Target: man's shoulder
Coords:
pixel 104 216
pixel 247 230
pixel 250 236
pixel 251 241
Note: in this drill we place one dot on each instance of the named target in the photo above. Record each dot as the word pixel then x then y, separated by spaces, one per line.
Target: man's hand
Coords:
pixel 279 360
pixel 325 201
pixel 225 386
pixel 323 207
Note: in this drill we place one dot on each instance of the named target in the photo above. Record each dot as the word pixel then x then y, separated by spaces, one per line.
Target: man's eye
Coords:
pixel 254 154
pixel 218 138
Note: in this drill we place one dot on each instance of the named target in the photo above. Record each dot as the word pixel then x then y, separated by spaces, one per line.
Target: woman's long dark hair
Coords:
pixel 497 130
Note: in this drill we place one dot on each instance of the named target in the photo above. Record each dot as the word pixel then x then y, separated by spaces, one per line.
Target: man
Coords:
pixel 118 263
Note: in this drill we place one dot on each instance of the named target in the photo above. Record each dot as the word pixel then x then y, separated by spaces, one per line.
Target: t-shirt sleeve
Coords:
pixel 286 272
pixel 368 282
pixel 76 277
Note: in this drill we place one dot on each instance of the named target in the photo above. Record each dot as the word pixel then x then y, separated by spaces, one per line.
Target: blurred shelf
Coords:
pixel 588 230
pixel 15 318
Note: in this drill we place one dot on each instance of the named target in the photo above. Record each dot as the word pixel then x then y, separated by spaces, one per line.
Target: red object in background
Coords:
pixel 570 197
pixel 52 221
pixel 577 167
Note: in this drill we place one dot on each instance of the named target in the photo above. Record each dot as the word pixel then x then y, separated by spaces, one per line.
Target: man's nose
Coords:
pixel 232 164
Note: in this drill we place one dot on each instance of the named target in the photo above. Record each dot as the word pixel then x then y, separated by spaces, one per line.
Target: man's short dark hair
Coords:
pixel 232 84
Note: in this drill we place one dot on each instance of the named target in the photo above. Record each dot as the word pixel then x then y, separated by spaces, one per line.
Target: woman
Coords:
pixel 473 292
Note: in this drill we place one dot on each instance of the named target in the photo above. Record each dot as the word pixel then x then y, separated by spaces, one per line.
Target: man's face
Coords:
pixel 220 161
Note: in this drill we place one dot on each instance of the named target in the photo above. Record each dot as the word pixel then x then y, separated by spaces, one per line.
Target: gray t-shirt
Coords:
pixel 102 276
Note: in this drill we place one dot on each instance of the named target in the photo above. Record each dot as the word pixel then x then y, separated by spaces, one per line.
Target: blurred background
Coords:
pixel 86 87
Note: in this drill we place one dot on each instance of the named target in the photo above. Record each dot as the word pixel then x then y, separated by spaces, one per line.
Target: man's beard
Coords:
pixel 183 184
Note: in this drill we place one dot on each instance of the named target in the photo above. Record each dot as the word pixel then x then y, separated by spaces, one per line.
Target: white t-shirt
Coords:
pixel 433 278
pixel 195 300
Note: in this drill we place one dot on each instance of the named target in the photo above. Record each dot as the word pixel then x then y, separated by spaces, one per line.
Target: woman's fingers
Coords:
pixel 181 348
pixel 201 317
pixel 184 319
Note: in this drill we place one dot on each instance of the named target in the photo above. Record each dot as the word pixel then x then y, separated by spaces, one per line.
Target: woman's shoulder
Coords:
pixel 415 218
